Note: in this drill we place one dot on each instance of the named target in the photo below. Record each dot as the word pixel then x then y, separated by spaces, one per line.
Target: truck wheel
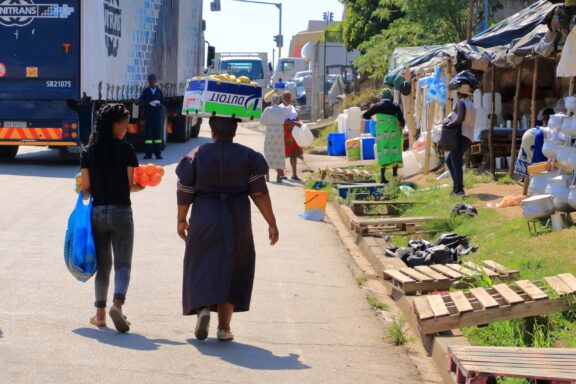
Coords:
pixel 195 131
pixel 180 130
pixel 8 152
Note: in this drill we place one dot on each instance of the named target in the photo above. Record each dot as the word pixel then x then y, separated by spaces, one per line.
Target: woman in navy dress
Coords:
pixel 218 180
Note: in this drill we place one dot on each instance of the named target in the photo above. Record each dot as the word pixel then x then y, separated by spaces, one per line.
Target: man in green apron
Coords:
pixel 389 124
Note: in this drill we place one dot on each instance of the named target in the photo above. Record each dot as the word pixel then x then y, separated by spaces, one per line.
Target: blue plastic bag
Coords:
pixel 79 249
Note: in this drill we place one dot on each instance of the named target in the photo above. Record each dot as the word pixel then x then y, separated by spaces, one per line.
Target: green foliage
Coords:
pixel 396 332
pixel 363 99
pixel 365 18
pixel 376 304
pixel 505 180
pixel 322 139
pixel 378 27
pixel 361 279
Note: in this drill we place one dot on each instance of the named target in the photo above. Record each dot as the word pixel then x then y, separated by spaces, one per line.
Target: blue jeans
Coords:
pixel 113 230
pixel 455 162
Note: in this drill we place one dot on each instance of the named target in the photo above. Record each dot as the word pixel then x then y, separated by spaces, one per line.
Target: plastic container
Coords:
pixel 367 145
pixel 336 144
pixel 315 205
pixel 411 165
pixel 372 128
pixel 354 122
pixel 354 149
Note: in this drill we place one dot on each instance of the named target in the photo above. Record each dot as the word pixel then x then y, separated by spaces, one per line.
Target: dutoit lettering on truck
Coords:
pixel 211 97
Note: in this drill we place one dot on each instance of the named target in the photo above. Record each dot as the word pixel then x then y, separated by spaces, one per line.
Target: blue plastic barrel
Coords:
pixel 336 144
pixel 367 144
pixel 372 128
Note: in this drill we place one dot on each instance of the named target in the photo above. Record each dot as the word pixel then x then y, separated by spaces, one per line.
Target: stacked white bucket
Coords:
pixel 350 122
pixel 555 186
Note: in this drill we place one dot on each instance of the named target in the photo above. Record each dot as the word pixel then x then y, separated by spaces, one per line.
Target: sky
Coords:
pixel 244 27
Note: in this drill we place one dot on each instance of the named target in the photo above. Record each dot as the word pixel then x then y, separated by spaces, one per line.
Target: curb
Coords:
pixel 372 249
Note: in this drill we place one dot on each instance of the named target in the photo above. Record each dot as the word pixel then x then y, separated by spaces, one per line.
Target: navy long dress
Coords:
pixel 220 257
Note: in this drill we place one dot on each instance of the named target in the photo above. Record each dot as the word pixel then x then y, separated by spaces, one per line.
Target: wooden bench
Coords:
pixel 392 208
pixel 480 306
pixel 424 279
pixel 475 365
pixel 391 225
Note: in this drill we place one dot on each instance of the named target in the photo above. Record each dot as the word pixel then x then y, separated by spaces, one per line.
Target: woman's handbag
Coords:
pixel 450 139
pixel 79 248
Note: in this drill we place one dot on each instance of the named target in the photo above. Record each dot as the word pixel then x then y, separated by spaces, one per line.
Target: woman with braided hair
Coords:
pixel 107 167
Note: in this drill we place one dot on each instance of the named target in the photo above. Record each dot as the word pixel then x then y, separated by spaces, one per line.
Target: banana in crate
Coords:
pixel 223 95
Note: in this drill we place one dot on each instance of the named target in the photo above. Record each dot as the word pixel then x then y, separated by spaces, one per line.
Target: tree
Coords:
pixel 423 22
pixel 366 18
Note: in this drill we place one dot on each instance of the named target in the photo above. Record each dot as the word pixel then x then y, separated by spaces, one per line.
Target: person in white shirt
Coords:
pixel 273 118
pixel 292 149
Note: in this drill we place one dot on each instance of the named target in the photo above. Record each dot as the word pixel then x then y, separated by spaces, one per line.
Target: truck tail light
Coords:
pixel 74 125
pixel 66 126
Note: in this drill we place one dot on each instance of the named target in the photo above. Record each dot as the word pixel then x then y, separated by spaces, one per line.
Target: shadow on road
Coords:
pixel 40 162
pixel 127 340
pixel 248 356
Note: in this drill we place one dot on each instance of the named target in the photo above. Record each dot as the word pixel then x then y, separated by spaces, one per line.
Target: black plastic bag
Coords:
pixel 464 77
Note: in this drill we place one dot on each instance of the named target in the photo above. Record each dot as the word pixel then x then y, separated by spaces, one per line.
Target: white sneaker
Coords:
pixel 224 335
pixel 203 324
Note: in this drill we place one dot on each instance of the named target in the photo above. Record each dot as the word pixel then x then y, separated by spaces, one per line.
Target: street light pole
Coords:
pixel 279 6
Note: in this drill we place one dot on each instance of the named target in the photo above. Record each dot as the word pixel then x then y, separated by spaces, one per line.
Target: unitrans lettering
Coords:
pixel 18 10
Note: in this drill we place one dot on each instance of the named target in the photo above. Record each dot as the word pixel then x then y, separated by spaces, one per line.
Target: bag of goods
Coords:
pixel 79 248
pixel 148 175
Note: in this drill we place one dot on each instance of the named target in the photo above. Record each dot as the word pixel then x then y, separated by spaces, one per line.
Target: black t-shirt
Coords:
pixel 110 185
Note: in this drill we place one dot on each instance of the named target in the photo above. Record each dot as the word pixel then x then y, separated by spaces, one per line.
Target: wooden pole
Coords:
pixel 571 88
pixel 492 122
pixel 431 110
pixel 448 80
pixel 515 121
pixel 409 113
pixel 470 20
pixel 534 88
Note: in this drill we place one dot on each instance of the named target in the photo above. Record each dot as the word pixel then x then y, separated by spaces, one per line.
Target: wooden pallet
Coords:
pixel 439 277
pixel 480 306
pixel 391 225
pixel 373 189
pixel 476 365
pixel 391 207
pixel 347 174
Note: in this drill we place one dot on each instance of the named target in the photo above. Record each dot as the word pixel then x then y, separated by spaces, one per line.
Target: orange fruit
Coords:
pixel 150 169
pixel 155 178
pixel 136 178
pixel 153 183
pixel 160 170
pixel 138 170
pixel 144 179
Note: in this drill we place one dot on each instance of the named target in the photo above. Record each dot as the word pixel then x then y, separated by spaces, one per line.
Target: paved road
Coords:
pixel 310 322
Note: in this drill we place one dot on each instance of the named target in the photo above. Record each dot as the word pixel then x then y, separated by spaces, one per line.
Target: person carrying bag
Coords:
pixel 79 248
pixel 457 136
